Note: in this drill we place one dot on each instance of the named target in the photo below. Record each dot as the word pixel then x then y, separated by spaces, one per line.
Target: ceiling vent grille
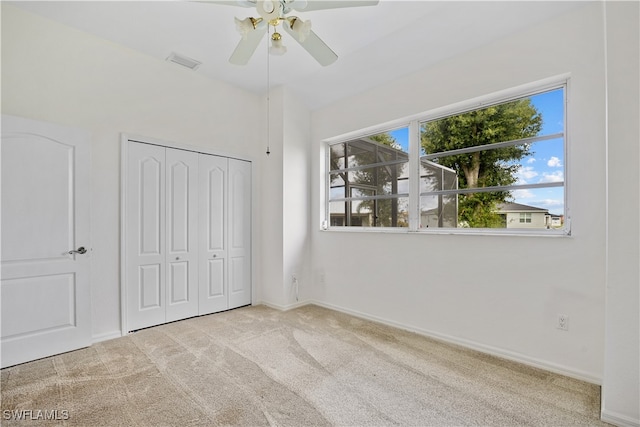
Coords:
pixel 189 63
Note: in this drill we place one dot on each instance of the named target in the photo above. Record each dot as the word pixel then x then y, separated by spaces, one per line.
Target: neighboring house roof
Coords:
pixel 517 207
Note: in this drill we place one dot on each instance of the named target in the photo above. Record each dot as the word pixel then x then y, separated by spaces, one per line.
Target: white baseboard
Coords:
pixel 619 420
pixel 495 351
pixel 105 336
pixel 283 307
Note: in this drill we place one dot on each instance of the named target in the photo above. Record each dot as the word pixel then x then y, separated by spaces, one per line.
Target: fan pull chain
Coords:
pixel 268 94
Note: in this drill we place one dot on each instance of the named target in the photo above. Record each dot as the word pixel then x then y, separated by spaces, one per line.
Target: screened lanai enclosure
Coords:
pixel 369 186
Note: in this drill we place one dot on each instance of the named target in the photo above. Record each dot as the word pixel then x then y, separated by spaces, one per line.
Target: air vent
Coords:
pixel 191 64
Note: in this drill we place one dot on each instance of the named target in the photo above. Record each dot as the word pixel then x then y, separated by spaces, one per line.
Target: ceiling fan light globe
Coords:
pixel 277 48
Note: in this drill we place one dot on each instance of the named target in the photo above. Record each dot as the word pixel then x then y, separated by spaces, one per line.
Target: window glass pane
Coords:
pixel 537 115
pixel 338 214
pixel 439 211
pixel 337 157
pixel 392 212
pixel 480 163
pixel 379 148
pixel 389 179
pixel 544 163
pixel 381 169
pixel 540 208
pixel 373 149
pixel 337 193
pixel 434 177
pixel 358 191
pixel 549 199
pixel 486 168
pixel 370 213
pixel 336 186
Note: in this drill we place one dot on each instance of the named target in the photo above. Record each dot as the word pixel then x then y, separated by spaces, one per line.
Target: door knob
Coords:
pixel 81 250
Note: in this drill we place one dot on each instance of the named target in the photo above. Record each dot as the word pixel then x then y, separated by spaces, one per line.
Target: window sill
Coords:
pixel 453 231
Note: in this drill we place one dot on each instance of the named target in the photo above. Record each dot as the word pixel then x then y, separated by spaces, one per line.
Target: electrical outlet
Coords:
pixel 563 322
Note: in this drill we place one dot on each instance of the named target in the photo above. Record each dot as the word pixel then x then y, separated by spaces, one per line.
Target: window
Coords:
pixel 525 217
pixel 500 166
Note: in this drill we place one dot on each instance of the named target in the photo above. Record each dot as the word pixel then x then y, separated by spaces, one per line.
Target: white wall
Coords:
pixel 271 212
pixel 621 386
pixel 500 294
pixel 297 197
pixel 56 74
pixel 286 209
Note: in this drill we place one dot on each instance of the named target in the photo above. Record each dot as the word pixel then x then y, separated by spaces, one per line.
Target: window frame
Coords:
pixel 414 122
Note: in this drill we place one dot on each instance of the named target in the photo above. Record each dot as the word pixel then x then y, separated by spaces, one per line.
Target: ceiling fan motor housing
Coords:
pixel 269 9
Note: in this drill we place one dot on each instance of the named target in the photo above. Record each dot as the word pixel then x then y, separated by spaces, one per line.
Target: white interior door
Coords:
pixel 239 233
pixel 182 234
pixel 145 238
pixel 46 302
pixel 213 234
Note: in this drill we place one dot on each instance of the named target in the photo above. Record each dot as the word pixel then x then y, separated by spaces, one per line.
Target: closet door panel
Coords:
pixel 182 234
pixel 213 235
pixel 240 233
pixel 145 222
pixel 215 278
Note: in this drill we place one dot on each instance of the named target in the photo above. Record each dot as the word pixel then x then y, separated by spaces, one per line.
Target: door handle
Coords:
pixel 81 250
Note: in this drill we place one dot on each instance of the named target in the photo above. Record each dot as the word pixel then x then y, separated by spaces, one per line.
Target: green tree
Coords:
pixel 504 122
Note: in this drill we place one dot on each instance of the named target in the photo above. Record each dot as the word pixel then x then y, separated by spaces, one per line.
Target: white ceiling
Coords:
pixel 375 44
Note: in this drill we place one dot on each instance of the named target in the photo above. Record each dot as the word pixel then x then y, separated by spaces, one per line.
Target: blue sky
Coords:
pixel 546 164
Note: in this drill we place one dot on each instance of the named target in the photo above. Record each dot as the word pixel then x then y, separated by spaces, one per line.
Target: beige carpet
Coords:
pixel 310 366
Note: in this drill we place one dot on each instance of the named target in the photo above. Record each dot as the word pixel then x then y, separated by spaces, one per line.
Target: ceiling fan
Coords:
pixel 276 12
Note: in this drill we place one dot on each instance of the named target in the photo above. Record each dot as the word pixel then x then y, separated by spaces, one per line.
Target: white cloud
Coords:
pixel 554 162
pixel 525 173
pixel 522 194
pixel 557 176
pixel 531 160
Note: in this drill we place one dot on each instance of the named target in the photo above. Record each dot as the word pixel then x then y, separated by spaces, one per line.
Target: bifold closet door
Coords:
pixel 213 235
pixel 225 237
pixel 145 217
pixel 161 239
pixel 239 233
pixel 181 234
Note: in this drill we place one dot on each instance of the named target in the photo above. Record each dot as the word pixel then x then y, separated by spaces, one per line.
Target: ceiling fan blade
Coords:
pixel 314 45
pixel 309 5
pixel 246 47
